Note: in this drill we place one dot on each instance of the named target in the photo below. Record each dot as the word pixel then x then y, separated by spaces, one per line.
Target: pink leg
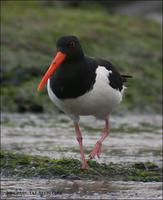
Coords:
pixel 79 138
pixel 97 148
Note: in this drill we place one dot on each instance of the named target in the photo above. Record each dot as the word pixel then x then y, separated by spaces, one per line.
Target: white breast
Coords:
pixel 99 101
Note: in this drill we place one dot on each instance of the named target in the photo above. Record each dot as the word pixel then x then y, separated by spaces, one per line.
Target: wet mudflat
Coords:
pixel 132 139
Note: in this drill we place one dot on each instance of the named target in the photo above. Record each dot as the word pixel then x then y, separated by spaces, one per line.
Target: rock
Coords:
pixel 36 108
pixel 140 165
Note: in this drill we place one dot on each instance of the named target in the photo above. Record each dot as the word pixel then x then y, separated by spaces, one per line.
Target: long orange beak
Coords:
pixel 59 58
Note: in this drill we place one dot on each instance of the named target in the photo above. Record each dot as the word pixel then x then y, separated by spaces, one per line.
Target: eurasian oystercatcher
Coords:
pixel 80 85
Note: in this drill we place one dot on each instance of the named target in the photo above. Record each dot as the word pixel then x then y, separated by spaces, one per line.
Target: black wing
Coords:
pixel 116 80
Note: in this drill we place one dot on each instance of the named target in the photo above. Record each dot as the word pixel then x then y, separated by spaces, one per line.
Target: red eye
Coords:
pixel 71 44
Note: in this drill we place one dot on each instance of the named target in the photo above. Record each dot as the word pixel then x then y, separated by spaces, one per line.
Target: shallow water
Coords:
pixel 132 138
pixel 78 189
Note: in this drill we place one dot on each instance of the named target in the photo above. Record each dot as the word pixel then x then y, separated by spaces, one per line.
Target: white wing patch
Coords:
pixel 102 74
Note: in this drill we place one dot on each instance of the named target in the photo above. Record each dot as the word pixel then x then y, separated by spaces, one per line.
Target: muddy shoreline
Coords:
pixel 134 145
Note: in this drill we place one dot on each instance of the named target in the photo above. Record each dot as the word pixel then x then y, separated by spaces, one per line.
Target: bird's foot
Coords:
pixel 85 165
pixel 96 150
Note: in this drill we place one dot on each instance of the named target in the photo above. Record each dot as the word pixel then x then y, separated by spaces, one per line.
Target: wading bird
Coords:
pixel 80 85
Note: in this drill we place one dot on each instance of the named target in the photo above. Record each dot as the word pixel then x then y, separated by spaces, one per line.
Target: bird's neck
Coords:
pixel 72 79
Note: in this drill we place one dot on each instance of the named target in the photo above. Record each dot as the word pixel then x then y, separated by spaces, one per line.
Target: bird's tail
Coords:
pixel 125 77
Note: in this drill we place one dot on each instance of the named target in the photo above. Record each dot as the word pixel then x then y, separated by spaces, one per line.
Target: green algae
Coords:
pixel 27 166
